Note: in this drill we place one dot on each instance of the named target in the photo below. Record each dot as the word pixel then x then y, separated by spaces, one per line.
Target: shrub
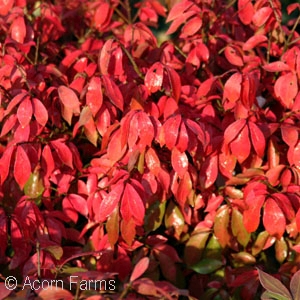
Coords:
pixel 166 164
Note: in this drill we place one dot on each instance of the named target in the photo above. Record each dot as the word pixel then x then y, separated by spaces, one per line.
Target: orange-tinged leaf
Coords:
pixel 152 161
pixel 179 161
pixel 112 226
pixel 110 202
pixel 139 269
pixel 128 230
pixel 221 226
pixel 274 219
pixel 286 89
pixel 238 229
pixel 91 132
pixel 22 167
pixel 24 112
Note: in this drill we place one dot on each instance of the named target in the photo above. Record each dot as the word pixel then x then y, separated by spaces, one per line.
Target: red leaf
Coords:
pixel 70 103
pixel 94 97
pixel 22 167
pixel 245 11
pixel 261 16
pixel 102 15
pixel 152 161
pixel 79 204
pixel 178 9
pixel 115 151
pixel 253 41
pixel 276 66
pixel 254 195
pixel 54 293
pixel 40 112
pixel 91 132
pixel 233 56
pixel 240 146
pixel 132 205
pixel 286 89
pixel 175 83
pixel 232 88
pixel 179 161
pixel 9 124
pixel 105 56
pixel 24 112
pixel 179 21
pixel 18 29
pixel 209 172
pixel 289 134
pixel 274 219
pixel 4 291
pixel 47 162
pixel 170 129
pixel 110 202
pixel 192 26
pixel 63 152
pixel 292 7
pixel 128 231
pixel 258 139
pixel 139 269
pixel 183 138
pixel 6 6
pixel 113 92
pixel 142 125
pixel 154 77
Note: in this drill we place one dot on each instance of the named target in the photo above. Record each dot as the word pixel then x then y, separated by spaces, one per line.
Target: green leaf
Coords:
pixel 154 216
pixel 295 285
pixel 55 251
pixel 34 186
pixel 274 286
pixel 207 266
pixel 268 295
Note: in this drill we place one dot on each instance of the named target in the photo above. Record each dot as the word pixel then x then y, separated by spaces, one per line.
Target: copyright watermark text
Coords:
pixel 11 283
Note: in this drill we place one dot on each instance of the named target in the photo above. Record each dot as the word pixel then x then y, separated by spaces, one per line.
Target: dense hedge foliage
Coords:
pixel 166 165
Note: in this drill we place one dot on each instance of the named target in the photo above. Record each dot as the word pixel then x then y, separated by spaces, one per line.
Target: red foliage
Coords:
pixel 169 164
